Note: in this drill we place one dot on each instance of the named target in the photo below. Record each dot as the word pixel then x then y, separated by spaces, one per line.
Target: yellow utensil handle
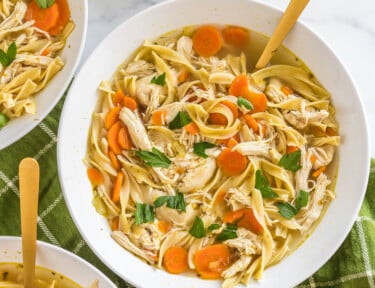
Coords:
pixel 286 23
pixel 29 191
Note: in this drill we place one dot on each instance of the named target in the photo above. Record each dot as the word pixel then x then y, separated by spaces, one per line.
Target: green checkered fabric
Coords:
pixel 353 265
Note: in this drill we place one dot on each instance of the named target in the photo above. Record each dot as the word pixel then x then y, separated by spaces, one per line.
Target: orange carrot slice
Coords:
pixel 95 177
pixel 115 162
pixel 319 171
pixel 252 123
pixel 112 117
pixel 239 86
pixel 236 36
pixel 112 137
pixel 212 260
pixel 192 128
pixel 233 216
pixel 118 97
pixel 64 16
pixel 249 221
pixel 291 149
pixel 117 187
pixel 158 117
pixel 115 224
pixel 175 260
pixel 232 163
pixel 124 138
pixel 286 90
pixel 207 41
pixel 130 103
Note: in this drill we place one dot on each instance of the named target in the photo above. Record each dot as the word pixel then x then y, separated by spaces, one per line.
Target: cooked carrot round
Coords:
pixel 239 86
pixel 236 36
pixel 95 177
pixel 258 99
pixel 207 41
pixel 250 222
pixel 212 260
pixel 232 163
pixel 175 260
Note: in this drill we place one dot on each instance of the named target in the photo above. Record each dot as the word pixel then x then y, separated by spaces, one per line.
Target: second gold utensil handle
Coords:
pixel 286 23
pixel 29 191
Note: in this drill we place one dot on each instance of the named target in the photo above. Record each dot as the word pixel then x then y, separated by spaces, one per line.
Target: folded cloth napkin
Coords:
pixel 353 265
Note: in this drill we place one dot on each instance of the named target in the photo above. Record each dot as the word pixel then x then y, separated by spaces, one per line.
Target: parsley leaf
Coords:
pixel 175 202
pixel 290 161
pixel 7 58
pixel 197 230
pixel 45 3
pixel 144 213
pixel 229 232
pixel 262 184
pixel 154 159
pixel 4 119
pixel 181 119
pixel 245 103
pixel 214 226
pixel 301 200
pixel 160 80
pixel 286 210
pixel 200 147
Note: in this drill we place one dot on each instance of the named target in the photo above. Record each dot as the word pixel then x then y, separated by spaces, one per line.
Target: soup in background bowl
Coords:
pixel 53 265
pixel 302 43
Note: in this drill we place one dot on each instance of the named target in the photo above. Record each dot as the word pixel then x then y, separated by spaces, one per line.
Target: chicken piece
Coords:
pixel 147 236
pixel 197 174
pixel 323 155
pixel 181 219
pixel 254 148
pixel 136 129
pixel 148 93
pixel 33 60
pixel 302 175
pixel 236 199
pixel 185 47
pixel 247 243
pixel 239 266
pixel 274 91
pixel 15 18
pixel 140 68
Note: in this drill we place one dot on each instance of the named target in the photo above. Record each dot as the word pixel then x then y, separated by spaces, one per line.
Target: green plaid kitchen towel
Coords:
pixel 353 265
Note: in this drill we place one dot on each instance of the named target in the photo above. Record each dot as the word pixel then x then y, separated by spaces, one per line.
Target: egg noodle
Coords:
pixel 36 61
pixel 183 157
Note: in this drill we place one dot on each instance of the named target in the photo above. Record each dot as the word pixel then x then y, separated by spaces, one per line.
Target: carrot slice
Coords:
pixel 236 36
pixel 115 224
pixel 112 137
pixel 233 107
pixel 232 163
pixel 192 128
pixel 231 143
pixel 114 160
pixel 212 260
pixel 207 41
pixel 250 222
pixel 112 117
pixel 286 90
pixel 130 103
pixel 313 159
pixel 45 52
pixel 258 99
pixel 118 97
pixel 233 216
pixel 239 86
pixel 291 149
pixel 319 171
pixel 183 76
pixel 64 16
pixel 95 177
pixel 217 119
pixel 117 187
pixel 124 138
pixel 44 19
pixel 158 117
pixel 164 227
pixel 252 123
pixel 175 260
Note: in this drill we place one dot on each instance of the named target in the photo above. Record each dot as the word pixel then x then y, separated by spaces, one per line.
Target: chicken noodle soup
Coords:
pixel 11 276
pixel 201 163
pixel 31 39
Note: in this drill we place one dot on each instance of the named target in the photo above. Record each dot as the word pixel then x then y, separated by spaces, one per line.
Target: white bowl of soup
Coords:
pixel 44 50
pixel 53 265
pixel 186 164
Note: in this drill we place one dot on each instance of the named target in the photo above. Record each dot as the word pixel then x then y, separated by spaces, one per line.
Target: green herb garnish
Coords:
pixel 288 211
pixel 262 184
pixel 229 232
pixel 245 103
pixel 301 200
pixel 214 226
pixel 7 58
pixel 197 230
pixel 200 148
pixel 45 3
pixel 181 119
pixel 175 202
pixel 4 119
pixel 160 80
pixel 154 159
pixel 290 161
pixel 144 213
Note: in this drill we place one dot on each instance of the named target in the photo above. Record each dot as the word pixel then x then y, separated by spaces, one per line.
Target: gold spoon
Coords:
pixel 29 189
pixel 287 21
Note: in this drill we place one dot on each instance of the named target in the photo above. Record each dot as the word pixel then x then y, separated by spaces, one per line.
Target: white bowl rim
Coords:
pixel 366 152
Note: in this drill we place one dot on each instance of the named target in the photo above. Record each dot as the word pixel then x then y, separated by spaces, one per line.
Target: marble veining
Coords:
pixel 347 26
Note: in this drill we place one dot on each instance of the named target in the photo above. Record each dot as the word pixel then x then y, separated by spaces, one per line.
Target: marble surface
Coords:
pixel 347 26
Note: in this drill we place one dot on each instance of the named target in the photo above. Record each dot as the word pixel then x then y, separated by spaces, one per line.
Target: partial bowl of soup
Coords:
pixel 55 267
pixel 198 169
pixel 40 47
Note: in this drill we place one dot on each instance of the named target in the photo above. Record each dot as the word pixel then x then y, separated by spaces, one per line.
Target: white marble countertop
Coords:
pixel 347 26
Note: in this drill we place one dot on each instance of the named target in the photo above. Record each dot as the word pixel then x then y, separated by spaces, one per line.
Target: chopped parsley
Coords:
pixel 291 161
pixel 197 230
pixel 262 184
pixel 182 118
pixel 154 159
pixel 45 3
pixel 200 148
pixel 175 202
pixel 144 213
pixel 7 58
pixel 160 80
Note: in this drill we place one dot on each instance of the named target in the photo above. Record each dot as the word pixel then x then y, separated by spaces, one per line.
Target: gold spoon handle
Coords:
pixel 29 189
pixel 287 21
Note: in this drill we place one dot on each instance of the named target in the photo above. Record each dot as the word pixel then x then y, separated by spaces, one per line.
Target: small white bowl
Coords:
pixel 56 259
pixel 354 155
pixel 52 93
